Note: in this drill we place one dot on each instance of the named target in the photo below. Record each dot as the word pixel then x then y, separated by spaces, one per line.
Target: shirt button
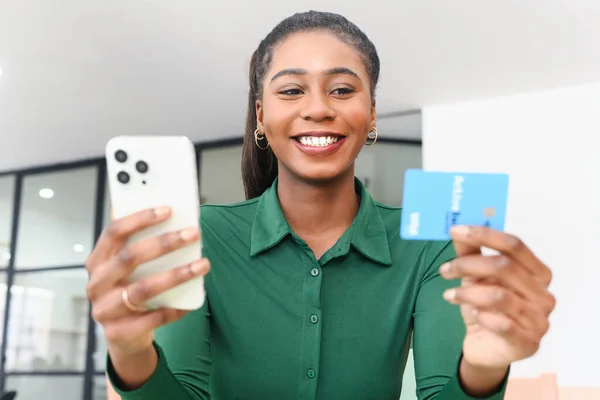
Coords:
pixel 314 272
pixel 311 373
pixel 314 319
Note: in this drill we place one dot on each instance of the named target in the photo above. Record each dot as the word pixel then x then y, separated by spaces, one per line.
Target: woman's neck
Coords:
pixel 318 213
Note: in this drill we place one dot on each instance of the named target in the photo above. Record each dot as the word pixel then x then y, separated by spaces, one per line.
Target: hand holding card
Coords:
pixel 504 298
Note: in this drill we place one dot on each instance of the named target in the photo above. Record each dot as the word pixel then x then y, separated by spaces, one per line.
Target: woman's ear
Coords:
pixel 373 114
pixel 259 115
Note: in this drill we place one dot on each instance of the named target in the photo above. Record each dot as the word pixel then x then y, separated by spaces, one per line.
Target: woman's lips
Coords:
pixel 317 146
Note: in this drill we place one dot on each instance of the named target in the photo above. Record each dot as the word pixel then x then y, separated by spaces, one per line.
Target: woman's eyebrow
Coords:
pixel 300 71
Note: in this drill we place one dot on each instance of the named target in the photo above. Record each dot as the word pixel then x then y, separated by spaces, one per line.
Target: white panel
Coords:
pixel 548 143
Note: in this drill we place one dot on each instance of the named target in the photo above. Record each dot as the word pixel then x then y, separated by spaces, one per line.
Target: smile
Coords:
pixel 317 141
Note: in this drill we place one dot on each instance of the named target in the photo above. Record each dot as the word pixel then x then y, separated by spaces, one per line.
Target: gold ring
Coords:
pixel 129 304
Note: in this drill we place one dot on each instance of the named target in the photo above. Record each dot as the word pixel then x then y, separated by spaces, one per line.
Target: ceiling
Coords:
pixel 78 72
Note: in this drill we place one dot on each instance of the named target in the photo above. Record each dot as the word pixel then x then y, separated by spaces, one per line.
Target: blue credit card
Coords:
pixel 435 201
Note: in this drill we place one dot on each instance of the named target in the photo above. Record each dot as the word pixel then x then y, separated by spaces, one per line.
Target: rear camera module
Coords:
pixel 123 177
pixel 141 167
pixel 121 156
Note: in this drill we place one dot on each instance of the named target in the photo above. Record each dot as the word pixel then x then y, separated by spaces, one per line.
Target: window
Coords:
pixel 46 387
pixel 56 219
pixel 101 349
pixel 381 168
pixel 99 389
pixel 48 321
pixel 221 175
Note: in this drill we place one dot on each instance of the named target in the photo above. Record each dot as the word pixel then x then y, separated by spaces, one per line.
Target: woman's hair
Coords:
pixel 259 167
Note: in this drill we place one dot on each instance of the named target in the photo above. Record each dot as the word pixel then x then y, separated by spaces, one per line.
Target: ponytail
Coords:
pixel 259 167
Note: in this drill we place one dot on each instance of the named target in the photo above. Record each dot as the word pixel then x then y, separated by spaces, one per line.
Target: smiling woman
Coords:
pixel 319 91
pixel 312 294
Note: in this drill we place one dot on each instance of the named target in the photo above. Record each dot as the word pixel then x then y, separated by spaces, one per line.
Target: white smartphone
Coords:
pixel 149 171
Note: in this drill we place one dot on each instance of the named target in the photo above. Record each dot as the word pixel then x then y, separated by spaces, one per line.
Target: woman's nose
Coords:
pixel 317 107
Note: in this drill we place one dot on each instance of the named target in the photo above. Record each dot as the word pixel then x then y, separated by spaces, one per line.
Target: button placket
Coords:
pixel 311 343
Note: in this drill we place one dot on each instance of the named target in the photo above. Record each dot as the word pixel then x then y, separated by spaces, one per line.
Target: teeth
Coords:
pixel 320 141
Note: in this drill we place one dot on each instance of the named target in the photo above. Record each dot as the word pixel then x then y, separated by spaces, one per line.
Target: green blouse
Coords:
pixel 279 324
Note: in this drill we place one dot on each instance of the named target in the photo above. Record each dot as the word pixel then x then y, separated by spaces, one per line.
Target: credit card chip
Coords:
pixel 489 211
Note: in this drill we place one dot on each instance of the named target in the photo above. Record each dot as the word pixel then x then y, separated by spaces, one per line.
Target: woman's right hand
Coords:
pixel 115 303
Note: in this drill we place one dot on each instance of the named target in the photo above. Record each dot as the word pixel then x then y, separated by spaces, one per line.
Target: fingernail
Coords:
pixel 460 230
pixel 161 211
pixel 445 268
pixel 188 233
pixel 475 312
pixel 450 294
pixel 197 267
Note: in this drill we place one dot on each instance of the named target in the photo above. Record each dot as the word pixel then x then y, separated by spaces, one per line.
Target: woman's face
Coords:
pixel 316 109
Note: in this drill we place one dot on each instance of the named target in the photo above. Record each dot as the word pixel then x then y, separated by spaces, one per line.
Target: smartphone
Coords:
pixel 149 171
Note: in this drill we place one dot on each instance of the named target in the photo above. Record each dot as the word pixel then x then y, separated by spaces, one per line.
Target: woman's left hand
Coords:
pixel 504 299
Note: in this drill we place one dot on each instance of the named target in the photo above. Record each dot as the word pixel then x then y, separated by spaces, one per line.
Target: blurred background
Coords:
pixel 510 86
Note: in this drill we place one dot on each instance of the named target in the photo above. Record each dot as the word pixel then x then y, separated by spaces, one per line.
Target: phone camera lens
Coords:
pixel 123 177
pixel 141 167
pixel 120 156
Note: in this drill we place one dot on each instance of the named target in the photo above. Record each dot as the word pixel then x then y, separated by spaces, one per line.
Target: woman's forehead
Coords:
pixel 314 52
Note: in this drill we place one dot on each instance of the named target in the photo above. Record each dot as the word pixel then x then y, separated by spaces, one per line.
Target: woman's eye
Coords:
pixel 291 92
pixel 342 91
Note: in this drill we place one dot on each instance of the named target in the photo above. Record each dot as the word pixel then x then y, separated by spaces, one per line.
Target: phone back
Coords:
pixel 149 171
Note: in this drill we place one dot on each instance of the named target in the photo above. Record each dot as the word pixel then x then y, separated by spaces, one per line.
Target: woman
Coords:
pixel 312 293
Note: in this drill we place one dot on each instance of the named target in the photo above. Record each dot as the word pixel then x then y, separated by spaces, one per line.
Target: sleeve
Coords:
pixel 183 370
pixel 439 333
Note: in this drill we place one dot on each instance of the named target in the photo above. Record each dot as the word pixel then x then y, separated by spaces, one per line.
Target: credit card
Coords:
pixel 435 201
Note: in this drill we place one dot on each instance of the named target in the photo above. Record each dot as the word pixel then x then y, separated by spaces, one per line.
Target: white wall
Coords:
pixel 549 144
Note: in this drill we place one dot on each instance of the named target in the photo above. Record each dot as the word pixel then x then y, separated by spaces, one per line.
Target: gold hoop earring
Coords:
pixel 258 139
pixel 372 136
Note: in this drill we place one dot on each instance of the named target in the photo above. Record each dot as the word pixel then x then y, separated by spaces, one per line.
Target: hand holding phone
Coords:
pixel 146 269
pixel 118 302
